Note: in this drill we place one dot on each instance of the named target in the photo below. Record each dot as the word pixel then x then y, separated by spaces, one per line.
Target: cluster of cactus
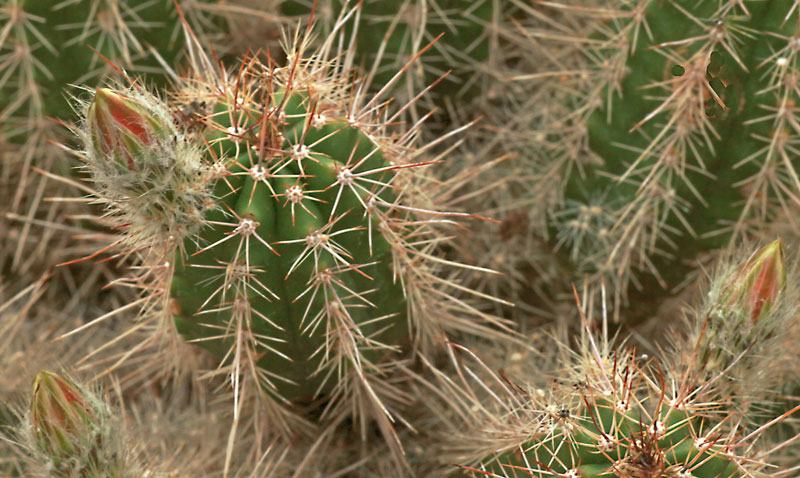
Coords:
pixel 294 303
pixel 609 411
pixel 649 134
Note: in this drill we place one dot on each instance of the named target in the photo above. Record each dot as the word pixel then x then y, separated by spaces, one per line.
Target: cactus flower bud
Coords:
pixel 120 126
pixel 757 282
pixel 60 415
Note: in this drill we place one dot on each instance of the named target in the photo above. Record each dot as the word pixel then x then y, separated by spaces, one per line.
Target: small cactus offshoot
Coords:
pixel 757 283
pixel 608 411
pixel 739 336
pixel 60 416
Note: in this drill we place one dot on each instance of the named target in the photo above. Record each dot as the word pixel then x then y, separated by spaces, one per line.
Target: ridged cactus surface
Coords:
pixel 388 34
pixel 281 219
pixel 604 440
pixel 660 131
pixel 300 242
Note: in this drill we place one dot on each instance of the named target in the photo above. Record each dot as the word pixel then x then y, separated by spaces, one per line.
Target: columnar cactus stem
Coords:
pixel 386 34
pixel 664 131
pixel 300 248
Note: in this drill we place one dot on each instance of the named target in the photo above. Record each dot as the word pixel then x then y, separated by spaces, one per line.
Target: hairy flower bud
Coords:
pixel 60 415
pixel 120 126
pixel 145 165
pixel 757 282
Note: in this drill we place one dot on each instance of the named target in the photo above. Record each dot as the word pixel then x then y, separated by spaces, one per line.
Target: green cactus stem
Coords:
pixel 602 440
pixel 668 134
pixel 389 33
pixel 306 254
pixel 286 225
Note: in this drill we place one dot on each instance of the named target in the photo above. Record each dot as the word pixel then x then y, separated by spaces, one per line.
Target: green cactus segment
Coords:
pixel 329 278
pixel 687 122
pixel 391 29
pixel 606 442
pixel 46 47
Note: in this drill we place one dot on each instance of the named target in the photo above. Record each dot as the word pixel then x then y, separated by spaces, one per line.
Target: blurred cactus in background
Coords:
pixel 385 35
pixel 649 133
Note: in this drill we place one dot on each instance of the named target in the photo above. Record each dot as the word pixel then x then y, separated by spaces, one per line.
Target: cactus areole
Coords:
pixel 294 253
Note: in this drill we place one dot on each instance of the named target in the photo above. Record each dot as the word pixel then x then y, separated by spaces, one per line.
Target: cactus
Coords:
pixel 70 431
pixel 387 35
pixel 47 47
pixel 744 334
pixel 66 425
pixel 662 131
pixel 286 300
pixel 297 246
pixel 606 440
pixel 611 412
pixel 320 204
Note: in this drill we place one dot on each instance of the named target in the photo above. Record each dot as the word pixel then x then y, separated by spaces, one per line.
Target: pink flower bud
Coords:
pixel 60 415
pixel 121 126
pixel 757 282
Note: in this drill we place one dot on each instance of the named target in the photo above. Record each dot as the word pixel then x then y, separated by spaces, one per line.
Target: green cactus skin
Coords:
pixel 290 307
pixel 47 46
pixel 609 442
pixel 463 47
pixel 668 134
pixel 46 49
pixel 280 219
pixel 604 410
